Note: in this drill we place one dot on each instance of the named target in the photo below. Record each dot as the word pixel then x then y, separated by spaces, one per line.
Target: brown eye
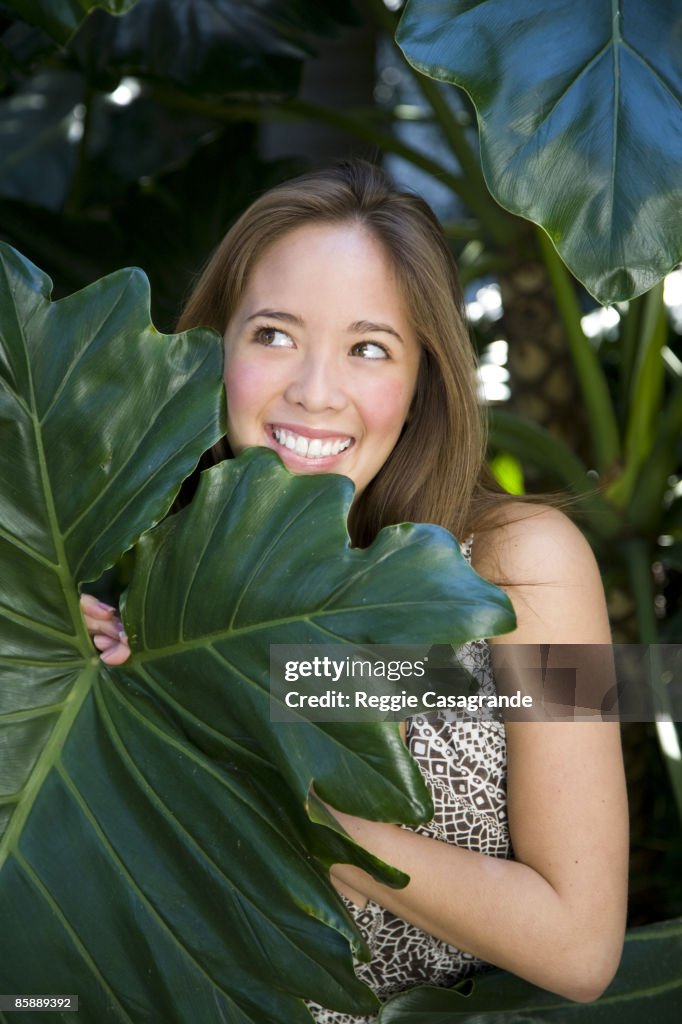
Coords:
pixel 272 337
pixel 369 350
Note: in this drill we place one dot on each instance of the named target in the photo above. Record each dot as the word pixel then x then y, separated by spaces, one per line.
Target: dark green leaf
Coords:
pixel 61 18
pixel 40 126
pixel 21 46
pixel 579 115
pixel 155 851
pixel 215 46
pixel 102 417
pixel 672 556
pixel 647 987
pixel 357 596
pixel 663 461
pixel 672 518
pixel 166 225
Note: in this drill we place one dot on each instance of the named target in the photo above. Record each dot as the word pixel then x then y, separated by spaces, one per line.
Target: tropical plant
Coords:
pixel 162 854
pixel 555 149
pixel 105 193
pixel 92 178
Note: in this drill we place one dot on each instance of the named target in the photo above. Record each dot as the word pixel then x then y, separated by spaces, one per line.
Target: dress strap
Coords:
pixel 466 545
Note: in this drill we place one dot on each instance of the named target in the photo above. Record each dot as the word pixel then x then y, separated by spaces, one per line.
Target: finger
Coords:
pixel 95 609
pixel 111 628
pixel 104 643
pixel 117 654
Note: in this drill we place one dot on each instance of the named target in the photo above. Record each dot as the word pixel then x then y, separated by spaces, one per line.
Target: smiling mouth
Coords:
pixel 310 447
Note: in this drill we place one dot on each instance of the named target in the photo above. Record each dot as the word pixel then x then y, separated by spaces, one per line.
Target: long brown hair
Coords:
pixel 436 472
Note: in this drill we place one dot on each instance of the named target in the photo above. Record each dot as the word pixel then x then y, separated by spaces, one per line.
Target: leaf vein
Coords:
pixel 266 553
pixel 120 865
pixel 43 890
pixel 155 798
pixel 652 70
pixel 32 553
pixel 84 351
pixel 158 469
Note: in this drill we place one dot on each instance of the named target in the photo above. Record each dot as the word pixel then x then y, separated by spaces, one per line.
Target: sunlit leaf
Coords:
pixel 579 105
pixel 156 854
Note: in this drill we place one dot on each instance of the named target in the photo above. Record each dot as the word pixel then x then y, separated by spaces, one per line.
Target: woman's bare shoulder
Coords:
pixel 526 543
pixel 548 569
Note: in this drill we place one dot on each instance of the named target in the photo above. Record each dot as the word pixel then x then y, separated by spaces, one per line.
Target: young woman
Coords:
pixel 346 351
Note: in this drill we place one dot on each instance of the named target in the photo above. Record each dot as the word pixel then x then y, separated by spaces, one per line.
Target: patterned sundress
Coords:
pixel 464 762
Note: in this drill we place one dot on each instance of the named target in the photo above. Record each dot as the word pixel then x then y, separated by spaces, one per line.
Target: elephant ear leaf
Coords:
pixel 155 840
pixel 579 113
pixel 61 18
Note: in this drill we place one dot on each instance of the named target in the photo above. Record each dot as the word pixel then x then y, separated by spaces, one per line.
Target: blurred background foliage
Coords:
pixel 137 139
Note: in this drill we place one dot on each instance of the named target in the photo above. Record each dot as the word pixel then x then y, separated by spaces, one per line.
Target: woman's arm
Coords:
pixel 556 914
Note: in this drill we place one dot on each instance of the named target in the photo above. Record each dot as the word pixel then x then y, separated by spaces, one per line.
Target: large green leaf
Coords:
pixel 64 143
pixel 39 151
pixel 43 152
pixel 167 228
pixel 156 854
pixel 647 987
pixel 61 18
pixel 217 46
pixel 579 115
pixel 101 418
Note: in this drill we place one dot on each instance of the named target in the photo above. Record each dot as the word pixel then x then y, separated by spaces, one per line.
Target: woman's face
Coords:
pixel 321 360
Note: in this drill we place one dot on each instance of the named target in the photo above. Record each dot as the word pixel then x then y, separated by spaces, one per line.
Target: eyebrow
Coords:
pixel 359 327
pixel 288 318
pixel 368 326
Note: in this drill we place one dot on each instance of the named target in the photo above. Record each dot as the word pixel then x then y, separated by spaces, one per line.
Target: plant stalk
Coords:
pixel 595 392
pixel 639 569
pixel 499 226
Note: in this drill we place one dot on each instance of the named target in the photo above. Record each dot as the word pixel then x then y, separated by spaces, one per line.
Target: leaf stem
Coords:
pixel 600 414
pixel 644 398
pixel 639 568
pixel 49 755
pixel 497 223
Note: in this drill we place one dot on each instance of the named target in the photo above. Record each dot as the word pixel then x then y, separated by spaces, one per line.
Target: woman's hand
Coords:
pixel 106 630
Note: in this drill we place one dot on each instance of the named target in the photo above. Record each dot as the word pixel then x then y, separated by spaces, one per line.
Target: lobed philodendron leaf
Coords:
pixel 162 854
pixel 61 18
pixel 579 116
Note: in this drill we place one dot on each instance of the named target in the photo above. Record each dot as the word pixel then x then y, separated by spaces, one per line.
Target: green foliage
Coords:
pixel 86 186
pixel 61 18
pixel 218 46
pixel 155 845
pixel 579 108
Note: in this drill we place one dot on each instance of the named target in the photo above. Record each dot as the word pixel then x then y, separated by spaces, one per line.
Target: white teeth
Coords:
pixel 311 448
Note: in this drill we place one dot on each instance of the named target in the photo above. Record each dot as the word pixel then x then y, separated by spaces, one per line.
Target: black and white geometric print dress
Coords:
pixel 464 762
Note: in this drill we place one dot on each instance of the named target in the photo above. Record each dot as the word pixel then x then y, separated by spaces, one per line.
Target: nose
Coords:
pixel 317 384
